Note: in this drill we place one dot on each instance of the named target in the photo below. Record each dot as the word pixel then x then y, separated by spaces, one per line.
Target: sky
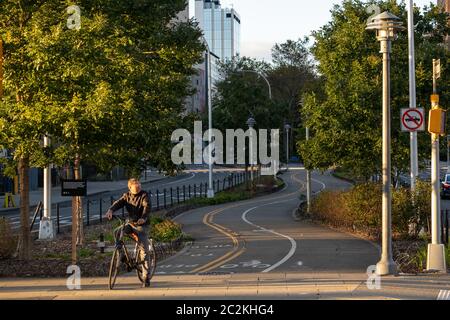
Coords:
pixel 266 22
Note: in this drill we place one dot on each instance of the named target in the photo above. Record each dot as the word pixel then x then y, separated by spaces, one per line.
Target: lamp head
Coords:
pixel 251 122
pixel 386 26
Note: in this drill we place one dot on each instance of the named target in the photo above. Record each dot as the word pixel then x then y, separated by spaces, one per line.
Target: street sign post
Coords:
pixel 412 120
pixel 437 68
pixel 73 188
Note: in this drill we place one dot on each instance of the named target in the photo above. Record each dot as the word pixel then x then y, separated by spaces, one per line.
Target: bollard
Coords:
pixel 184 193
pixel 189 187
pixel 171 197
pixel 178 194
pixel 195 190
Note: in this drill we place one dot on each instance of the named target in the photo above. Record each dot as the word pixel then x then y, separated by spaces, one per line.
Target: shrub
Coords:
pixel 363 205
pixel 166 231
pixel 402 211
pixel 422 203
pixel 8 241
pixel 360 208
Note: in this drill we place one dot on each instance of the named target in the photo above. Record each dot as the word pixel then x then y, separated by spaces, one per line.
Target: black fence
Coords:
pixel 164 198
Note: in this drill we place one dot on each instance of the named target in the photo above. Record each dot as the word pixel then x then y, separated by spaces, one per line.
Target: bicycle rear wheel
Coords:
pixel 114 268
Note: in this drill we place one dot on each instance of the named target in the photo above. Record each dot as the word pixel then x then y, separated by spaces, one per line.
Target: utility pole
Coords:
pixel 436 250
pixel 412 96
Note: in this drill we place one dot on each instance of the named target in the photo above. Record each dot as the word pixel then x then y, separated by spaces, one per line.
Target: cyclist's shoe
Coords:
pixel 146 283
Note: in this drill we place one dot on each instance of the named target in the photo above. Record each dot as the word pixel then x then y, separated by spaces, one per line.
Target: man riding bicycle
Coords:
pixel 136 202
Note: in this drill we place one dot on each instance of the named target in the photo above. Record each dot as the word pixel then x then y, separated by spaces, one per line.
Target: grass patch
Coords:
pixel 86 252
pixel 242 192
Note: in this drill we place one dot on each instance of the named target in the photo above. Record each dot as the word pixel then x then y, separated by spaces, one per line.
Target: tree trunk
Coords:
pixel 25 249
pixel 79 205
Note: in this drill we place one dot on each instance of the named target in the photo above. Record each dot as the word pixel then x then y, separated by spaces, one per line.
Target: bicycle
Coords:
pixel 121 256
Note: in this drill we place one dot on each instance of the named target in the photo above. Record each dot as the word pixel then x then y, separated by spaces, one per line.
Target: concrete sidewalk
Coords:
pixel 93 188
pixel 262 286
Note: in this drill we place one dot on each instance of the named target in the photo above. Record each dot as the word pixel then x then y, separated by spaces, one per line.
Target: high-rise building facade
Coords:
pixel 221 27
pixel 445 5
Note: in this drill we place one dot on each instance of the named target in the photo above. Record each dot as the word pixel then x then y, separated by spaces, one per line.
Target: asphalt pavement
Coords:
pixel 255 249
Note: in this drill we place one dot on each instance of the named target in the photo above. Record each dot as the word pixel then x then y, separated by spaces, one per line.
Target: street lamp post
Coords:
pixel 308 181
pixel 46 229
pixel 287 127
pixel 251 123
pixel 210 192
pixel 262 76
pixel 386 26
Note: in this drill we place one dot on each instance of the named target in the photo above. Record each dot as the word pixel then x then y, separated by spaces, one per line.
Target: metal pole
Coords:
pixel 448 154
pixel 412 95
pixel 386 265
pixel 436 250
pixel 210 190
pixel 308 181
pixel 251 154
pixel 287 149
pixel 46 229
pixel 435 178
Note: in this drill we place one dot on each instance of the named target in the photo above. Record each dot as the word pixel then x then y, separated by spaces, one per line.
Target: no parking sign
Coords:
pixel 412 120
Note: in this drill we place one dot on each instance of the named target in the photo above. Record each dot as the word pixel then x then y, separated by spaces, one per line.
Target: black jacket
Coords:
pixel 138 206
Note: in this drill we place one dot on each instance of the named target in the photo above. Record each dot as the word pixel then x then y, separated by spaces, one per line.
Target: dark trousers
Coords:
pixel 143 242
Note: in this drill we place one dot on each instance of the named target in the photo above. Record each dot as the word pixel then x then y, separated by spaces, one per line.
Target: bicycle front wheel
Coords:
pixel 152 260
pixel 114 268
pixel 151 257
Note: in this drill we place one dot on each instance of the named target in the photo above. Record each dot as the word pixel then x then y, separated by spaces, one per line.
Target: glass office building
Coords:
pixel 221 26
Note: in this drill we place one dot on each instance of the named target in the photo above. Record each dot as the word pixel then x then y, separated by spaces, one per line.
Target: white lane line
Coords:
pixel 320 182
pixel 444 295
pixel 177 181
pixel 293 242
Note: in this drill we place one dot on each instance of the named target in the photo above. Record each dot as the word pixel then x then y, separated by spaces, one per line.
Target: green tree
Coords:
pixel 345 118
pixel 243 93
pixel 291 75
pixel 110 92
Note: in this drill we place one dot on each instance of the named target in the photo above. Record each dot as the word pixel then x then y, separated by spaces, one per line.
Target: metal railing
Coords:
pixel 161 199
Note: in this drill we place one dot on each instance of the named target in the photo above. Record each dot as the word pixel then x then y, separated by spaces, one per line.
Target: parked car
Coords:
pixel 445 190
